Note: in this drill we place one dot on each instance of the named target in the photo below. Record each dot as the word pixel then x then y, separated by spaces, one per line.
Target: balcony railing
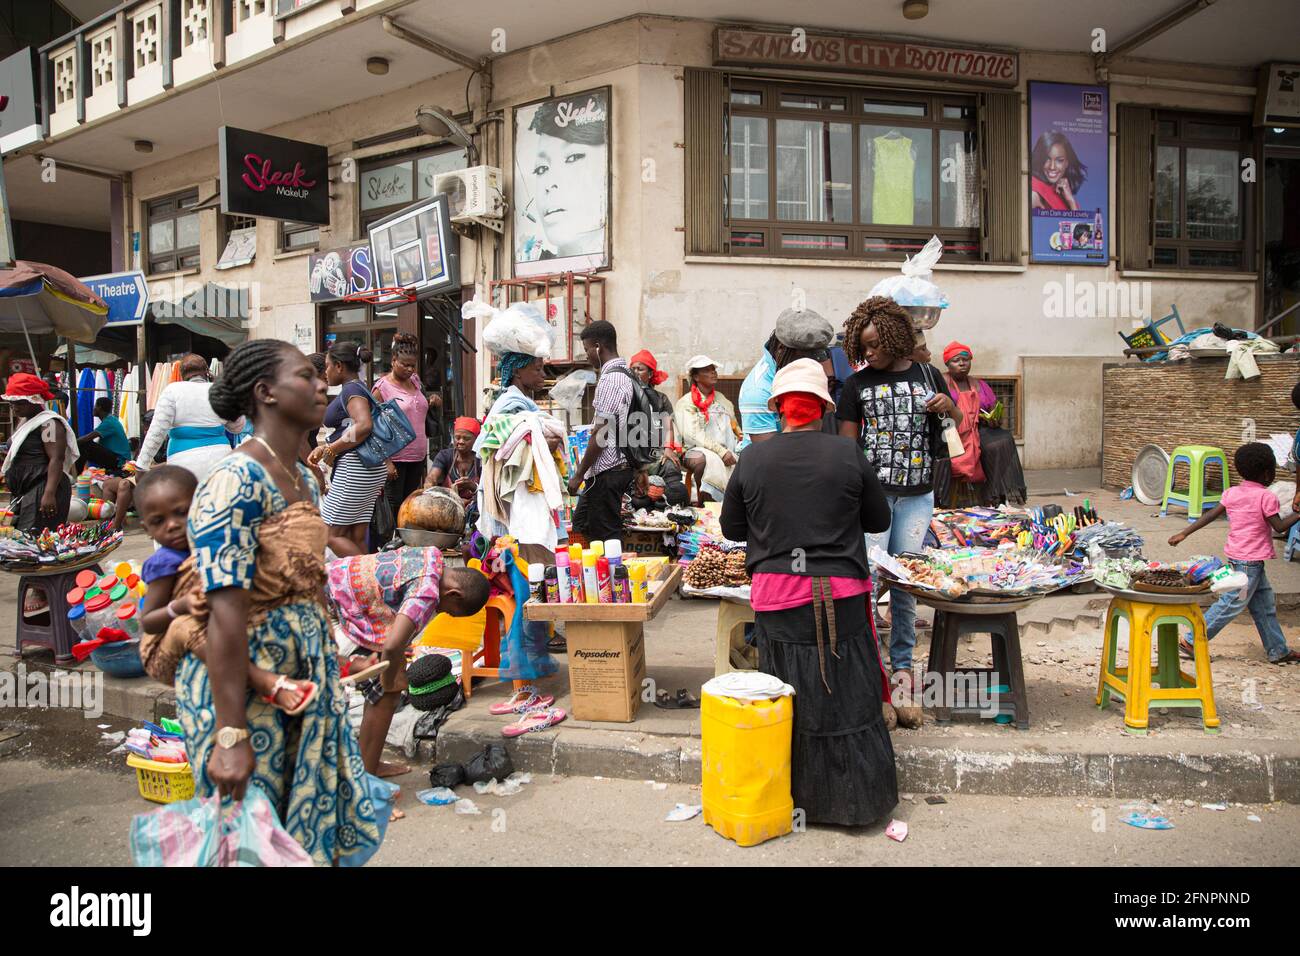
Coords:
pixel 143 48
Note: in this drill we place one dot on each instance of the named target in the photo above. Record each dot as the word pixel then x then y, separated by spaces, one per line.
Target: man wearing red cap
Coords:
pixel 42 453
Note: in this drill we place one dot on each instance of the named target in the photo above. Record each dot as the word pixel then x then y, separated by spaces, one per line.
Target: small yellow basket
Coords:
pixel 162 782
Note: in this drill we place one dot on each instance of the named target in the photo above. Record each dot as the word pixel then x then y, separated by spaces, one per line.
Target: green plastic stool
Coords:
pixel 1196 499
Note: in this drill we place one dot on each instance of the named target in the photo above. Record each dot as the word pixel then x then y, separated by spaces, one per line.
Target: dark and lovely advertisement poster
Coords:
pixel 1069 173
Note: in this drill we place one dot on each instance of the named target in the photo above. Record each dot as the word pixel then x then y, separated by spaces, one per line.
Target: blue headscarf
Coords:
pixel 512 362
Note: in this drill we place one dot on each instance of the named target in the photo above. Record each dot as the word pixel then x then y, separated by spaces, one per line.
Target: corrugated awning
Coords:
pixel 214 310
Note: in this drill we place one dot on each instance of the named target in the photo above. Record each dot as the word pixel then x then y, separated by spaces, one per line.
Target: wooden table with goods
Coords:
pixel 607 648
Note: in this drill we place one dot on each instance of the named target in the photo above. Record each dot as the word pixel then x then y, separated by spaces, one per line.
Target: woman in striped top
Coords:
pixel 354 485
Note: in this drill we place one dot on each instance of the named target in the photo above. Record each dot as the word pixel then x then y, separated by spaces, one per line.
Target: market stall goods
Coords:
pixel 715 567
pixel 65 548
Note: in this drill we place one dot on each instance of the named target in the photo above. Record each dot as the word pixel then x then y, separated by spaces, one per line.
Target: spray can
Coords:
pixel 598 548
pixel 536 585
pixel 603 580
pixel 552 579
pixel 614 551
pixel 563 584
pixel 640 591
pixel 590 584
pixel 622 586
pixel 575 558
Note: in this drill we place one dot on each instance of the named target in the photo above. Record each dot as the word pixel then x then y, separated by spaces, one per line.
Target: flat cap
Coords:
pixel 803 330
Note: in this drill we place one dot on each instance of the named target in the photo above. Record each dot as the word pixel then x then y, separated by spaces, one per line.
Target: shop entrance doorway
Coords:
pixel 1281 274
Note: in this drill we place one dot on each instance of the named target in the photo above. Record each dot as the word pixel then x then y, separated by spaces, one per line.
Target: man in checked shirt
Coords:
pixel 604 464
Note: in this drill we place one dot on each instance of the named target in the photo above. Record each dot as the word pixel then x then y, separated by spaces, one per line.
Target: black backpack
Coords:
pixel 640 437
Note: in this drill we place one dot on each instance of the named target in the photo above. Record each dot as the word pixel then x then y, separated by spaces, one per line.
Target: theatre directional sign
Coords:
pixel 126 293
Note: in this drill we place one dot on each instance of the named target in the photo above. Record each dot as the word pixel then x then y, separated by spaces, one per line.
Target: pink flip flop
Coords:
pixel 534 720
pixel 522 701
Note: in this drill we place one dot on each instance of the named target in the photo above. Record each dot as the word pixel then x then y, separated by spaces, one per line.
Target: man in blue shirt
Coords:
pixel 800 333
pixel 107 446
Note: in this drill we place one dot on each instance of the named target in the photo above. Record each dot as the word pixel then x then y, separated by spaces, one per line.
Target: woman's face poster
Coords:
pixel 1069 182
pixel 561 182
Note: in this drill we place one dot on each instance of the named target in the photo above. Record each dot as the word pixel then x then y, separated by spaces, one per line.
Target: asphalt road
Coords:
pixel 65 801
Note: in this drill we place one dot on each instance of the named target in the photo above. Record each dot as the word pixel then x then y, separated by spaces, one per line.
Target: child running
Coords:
pixel 1252 512
pixel 172 625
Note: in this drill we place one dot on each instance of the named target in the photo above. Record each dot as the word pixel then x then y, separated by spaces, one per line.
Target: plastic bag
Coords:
pixel 914 286
pixel 447 775
pixel 492 761
pixel 568 391
pixel 204 832
pixel 519 328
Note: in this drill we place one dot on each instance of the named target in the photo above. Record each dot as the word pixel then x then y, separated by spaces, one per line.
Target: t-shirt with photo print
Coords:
pixel 889 408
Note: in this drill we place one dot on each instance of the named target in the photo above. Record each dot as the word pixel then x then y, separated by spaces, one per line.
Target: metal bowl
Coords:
pixel 416 538
pixel 924 316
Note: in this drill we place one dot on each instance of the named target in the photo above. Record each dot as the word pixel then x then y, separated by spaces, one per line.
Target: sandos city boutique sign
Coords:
pixel 274 177
pixel 739 47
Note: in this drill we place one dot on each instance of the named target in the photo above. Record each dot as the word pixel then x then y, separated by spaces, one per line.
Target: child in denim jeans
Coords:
pixel 1252 512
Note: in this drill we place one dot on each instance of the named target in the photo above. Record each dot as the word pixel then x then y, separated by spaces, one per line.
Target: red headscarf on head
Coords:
pixel 645 358
pixel 24 386
pixel 466 424
pixel 955 348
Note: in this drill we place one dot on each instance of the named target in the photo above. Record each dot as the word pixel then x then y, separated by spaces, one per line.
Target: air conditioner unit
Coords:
pixel 474 193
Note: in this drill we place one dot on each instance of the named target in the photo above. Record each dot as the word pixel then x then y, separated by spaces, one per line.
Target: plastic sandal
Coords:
pixel 534 720
pixel 283 683
pixel 524 699
pixel 363 674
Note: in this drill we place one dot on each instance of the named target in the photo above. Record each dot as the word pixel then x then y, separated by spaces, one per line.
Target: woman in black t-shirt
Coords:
pixel 894 407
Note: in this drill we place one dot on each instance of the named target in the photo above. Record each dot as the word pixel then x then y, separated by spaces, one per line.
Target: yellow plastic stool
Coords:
pixel 745 756
pixel 1135 684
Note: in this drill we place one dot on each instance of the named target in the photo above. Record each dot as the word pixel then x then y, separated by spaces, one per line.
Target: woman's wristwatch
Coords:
pixel 228 737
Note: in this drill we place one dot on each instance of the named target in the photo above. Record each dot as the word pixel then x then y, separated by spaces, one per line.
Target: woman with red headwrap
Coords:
pixel 457 467
pixel 996 476
pixel 42 453
pixel 803 502
pixel 646 368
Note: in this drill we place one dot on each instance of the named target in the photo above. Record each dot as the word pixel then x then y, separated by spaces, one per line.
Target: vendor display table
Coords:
pixel 606 649
pixel 994 617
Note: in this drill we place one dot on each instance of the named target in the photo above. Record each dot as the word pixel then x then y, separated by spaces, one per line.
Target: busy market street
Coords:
pixel 646 434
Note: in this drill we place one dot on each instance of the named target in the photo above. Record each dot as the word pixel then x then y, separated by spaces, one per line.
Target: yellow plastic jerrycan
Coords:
pixel 746 764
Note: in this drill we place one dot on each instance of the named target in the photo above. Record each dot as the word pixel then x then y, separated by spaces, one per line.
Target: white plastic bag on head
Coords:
pixel 519 328
pixel 914 286
pixel 568 391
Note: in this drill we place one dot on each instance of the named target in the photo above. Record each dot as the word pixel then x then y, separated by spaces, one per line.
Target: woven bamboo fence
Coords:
pixel 1190 403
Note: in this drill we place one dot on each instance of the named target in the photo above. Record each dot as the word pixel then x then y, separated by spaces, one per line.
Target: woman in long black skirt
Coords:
pixel 803 501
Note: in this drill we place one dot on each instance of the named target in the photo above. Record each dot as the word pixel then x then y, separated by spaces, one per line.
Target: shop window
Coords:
pixel 1190 165
pixel 298 235
pixel 390 183
pixel 372 329
pixel 889 168
pixel 238 241
pixel 172 230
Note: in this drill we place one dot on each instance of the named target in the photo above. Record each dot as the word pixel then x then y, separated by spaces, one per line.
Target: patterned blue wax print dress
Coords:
pixel 243 533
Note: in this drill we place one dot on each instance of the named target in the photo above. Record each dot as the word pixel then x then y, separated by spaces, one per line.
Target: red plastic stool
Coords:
pixel 58 635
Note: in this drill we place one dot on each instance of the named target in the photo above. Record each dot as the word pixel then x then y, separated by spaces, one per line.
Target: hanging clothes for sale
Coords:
pixel 86 402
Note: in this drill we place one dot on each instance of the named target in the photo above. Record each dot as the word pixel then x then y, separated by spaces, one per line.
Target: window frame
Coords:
pixel 285 229
pixel 1183 247
pixel 1015 415
pixel 854 231
pixel 400 158
pixel 170 208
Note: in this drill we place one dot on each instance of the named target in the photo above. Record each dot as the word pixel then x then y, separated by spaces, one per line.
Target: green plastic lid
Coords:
pixel 118 593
